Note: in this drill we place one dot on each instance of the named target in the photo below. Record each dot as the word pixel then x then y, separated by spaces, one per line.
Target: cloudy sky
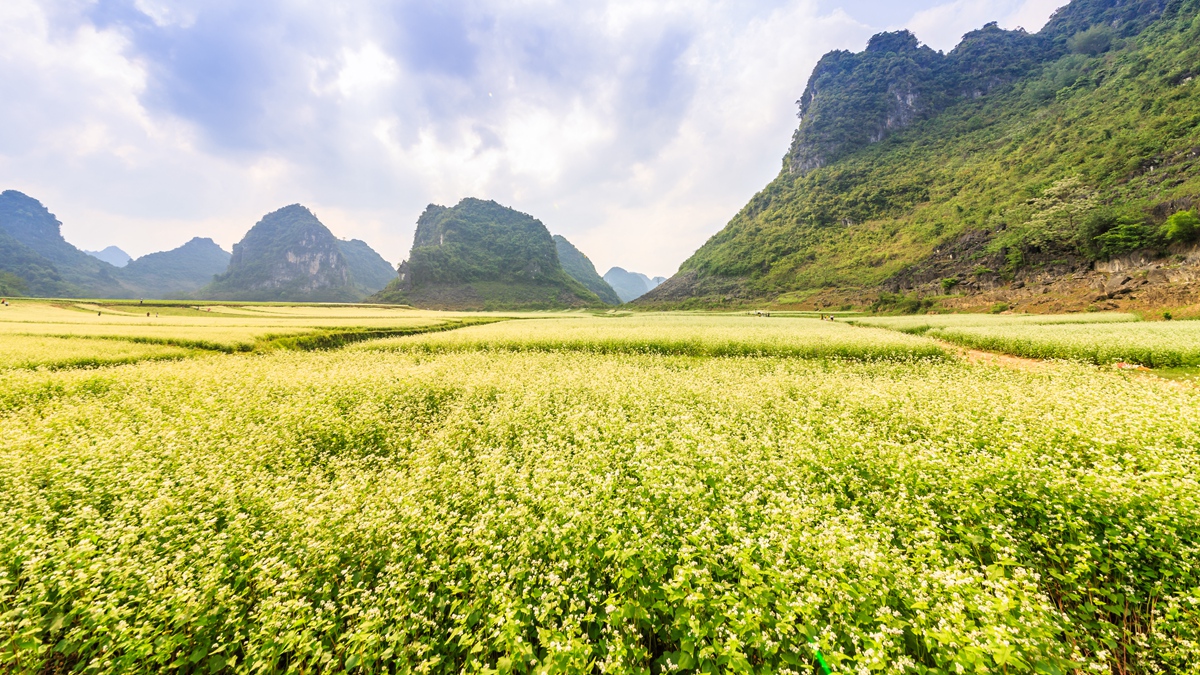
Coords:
pixel 636 129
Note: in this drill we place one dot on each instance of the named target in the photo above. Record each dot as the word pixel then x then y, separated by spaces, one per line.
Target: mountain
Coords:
pixel 370 272
pixel 289 256
pixel 631 285
pixel 580 268
pixel 178 272
pixel 481 255
pixel 112 255
pixel 32 248
pixel 1015 163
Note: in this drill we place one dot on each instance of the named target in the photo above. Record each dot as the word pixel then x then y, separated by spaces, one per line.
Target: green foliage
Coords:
pixel 1126 235
pixel 900 303
pixel 1093 41
pixel 1181 227
pixel 949 283
pixel 11 285
pixel 1108 136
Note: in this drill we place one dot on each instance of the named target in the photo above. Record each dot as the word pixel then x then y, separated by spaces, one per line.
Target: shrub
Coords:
pixel 1129 234
pixel 949 283
pixel 1093 41
pixel 11 284
pixel 1183 226
pixel 999 307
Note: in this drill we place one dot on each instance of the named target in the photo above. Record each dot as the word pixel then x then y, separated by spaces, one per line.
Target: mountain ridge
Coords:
pixel 1075 161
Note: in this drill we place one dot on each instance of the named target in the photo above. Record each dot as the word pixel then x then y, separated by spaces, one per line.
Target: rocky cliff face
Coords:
pixel 289 255
pixel 853 100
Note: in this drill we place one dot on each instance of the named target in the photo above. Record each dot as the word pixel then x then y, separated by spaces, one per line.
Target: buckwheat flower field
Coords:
pixel 562 495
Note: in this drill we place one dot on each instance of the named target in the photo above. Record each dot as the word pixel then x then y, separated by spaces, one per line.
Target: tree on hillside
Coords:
pixel 1058 213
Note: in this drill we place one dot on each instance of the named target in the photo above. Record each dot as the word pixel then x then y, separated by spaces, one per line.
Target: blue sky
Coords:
pixel 634 129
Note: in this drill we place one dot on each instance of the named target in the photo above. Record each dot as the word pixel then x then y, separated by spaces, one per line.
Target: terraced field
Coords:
pixel 598 494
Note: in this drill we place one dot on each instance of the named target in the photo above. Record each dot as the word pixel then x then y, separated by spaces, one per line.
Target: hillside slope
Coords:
pixel 481 255
pixel 581 269
pixel 178 272
pixel 289 255
pixel 369 271
pixel 1012 162
pixel 32 248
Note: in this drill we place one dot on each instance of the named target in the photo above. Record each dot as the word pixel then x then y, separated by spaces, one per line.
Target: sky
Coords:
pixel 635 129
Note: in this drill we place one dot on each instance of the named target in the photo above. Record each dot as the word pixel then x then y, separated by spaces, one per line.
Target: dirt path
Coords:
pixel 994 358
pixel 1035 365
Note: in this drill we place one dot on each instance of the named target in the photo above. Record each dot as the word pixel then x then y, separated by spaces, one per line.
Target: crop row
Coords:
pixel 692 335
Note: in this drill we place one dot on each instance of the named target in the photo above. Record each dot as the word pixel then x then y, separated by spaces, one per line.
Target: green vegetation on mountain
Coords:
pixel 581 269
pixel 1011 152
pixel 289 255
pixel 32 248
pixel 481 255
pixel 177 272
pixel 368 270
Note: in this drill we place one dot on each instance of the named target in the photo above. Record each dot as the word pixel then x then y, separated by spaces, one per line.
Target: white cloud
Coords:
pixel 942 26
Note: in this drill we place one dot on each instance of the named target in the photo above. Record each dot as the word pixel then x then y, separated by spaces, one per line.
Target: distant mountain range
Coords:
pixel 289 255
pixel 630 286
pixel 481 255
pixel 112 255
pixel 1023 169
pixel 475 255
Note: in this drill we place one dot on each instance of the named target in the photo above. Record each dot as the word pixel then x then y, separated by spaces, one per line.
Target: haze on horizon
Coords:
pixel 635 131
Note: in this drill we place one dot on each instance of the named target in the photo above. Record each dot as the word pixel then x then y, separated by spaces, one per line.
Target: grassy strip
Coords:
pixel 325 340
pixel 85 362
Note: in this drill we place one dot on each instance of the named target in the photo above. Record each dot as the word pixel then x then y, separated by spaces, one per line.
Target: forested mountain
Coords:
pixel 178 272
pixel 581 269
pixel 630 285
pixel 481 255
pixel 1015 163
pixel 289 255
pixel 32 249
